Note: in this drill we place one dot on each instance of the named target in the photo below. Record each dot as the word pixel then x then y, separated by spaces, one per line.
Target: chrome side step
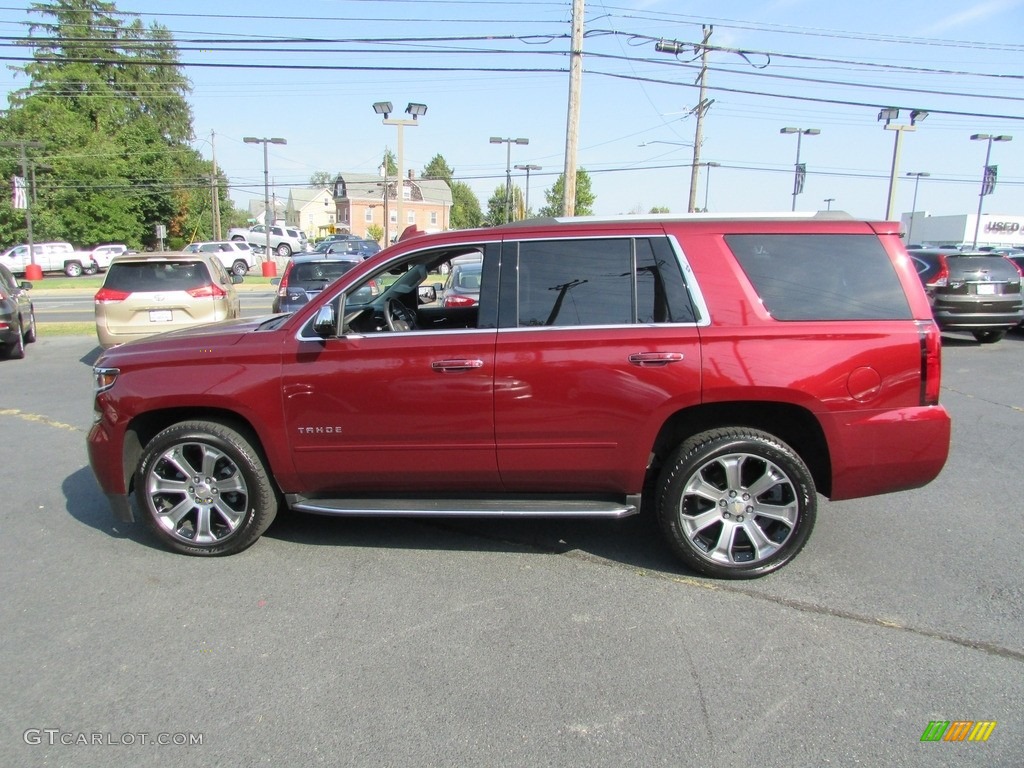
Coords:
pixel 491 507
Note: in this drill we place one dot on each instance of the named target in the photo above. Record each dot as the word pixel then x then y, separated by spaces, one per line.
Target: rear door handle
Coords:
pixel 654 359
pixel 451 366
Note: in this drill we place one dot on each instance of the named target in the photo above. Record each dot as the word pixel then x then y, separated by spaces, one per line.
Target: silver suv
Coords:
pixel 284 241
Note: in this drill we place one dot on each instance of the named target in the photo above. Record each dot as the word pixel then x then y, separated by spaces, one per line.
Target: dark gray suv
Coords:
pixel 976 291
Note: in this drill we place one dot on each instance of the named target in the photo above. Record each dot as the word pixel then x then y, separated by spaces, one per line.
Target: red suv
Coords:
pixel 720 373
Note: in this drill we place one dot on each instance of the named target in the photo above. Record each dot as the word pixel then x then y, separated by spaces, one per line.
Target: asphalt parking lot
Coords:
pixel 519 643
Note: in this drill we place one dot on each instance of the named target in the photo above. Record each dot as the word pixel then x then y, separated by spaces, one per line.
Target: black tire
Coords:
pixel 284 250
pixel 736 503
pixel 989 336
pixel 73 269
pixel 238 238
pixel 90 270
pixel 30 332
pixel 240 268
pixel 16 349
pixel 190 511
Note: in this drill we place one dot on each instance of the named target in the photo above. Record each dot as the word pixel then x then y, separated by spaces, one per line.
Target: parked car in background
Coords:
pixel 237 256
pixel 306 276
pixel 50 257
pixel 974 291
pixel 284 241
pixel 17 315
pixel 357 247
pixel 462 287
pixel 102 254
pixel 145 294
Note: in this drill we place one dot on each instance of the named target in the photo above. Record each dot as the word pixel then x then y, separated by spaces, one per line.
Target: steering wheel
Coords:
pixel 398 316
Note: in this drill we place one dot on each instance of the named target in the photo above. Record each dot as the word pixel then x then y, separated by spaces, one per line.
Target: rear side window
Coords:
pixel 618 281
pixel 156 276
pixel 822 277
pixel 320 272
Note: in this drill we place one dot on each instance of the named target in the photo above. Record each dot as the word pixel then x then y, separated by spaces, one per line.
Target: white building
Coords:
pixel 993 229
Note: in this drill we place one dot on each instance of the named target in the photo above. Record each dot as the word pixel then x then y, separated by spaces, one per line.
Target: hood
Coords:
pixel 208 337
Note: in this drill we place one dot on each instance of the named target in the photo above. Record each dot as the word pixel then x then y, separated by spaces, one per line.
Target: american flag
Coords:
pixel 18 199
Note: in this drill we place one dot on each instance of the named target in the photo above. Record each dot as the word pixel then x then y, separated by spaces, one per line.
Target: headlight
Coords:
pixel 104 378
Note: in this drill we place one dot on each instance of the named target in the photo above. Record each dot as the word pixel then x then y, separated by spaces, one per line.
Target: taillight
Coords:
pixel 210 291
pixel 110 296
pixel 931 362
pixel 282 287
pixel 942 277
pixel 456 300
pixel 1015 266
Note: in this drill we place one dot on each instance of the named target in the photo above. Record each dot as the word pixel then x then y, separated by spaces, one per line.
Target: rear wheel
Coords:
pixel 30 332
pixel 240 268
pixel 284 250
pixel 203 488
pixel 16 349
pixel 73 269
pixel 736 503
pixel 989 336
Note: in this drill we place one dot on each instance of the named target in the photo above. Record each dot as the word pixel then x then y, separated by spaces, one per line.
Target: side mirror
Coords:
pixel 427 294
pixel 326 323
pixel 236 279
pixel 275 281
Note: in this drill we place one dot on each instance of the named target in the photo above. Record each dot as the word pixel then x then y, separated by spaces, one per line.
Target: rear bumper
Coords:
pixel 890 451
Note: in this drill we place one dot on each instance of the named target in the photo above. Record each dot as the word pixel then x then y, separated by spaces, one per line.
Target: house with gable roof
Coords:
pixel 360 203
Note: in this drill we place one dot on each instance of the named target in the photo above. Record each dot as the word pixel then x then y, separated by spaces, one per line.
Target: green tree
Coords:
pixel 496 206
pixel 108 102
pixel 584 196
pixel 466 212
pixel 438 168
pixel 322 179
pixel 660 209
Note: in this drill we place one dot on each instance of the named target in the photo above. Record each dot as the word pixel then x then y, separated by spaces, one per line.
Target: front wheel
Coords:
pixel 989 336
pixel 736 503
pixel 30 332
pixel 204 490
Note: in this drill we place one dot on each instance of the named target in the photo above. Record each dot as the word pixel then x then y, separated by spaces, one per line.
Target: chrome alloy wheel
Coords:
pixel 738 508
pixel 197 493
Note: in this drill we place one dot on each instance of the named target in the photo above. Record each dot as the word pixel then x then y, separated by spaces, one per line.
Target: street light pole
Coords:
pixel 913 206
pixel 889 115
pixel 986 188
pixel 268 220
pixel 508 168
pixel 798 172
pixel 412 108
pixel 527 168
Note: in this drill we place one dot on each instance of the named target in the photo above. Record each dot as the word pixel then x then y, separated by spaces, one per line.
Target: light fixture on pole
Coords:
pixel 707 182
pixel 988 177
pixel 677 144
pixel 508 168
pixel 828 203
pixel 800 171
pixel 384 108
pixel 268 220
pixel 913 206
pixel 889 114
pixel 527 168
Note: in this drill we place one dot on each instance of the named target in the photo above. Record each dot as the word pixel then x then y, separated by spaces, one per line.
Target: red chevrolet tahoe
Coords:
pixel 718 373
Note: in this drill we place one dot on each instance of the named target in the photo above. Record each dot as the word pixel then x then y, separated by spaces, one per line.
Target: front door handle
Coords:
pixel 655 359
pixel 452 366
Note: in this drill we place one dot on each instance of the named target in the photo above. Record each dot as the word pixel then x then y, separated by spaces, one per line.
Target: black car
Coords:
pixel 308 274
pixel 974 291
pixel 17 315
pixel 357 248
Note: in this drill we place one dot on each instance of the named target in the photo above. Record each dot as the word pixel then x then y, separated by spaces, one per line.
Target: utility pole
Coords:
pixel 701 108
pixel 215 191
pixel 572 123
pixel 675 48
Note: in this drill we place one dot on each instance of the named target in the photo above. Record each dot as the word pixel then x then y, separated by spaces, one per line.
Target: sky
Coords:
pixel 309 72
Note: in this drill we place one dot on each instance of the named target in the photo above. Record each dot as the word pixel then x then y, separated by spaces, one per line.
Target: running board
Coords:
pixel 539 507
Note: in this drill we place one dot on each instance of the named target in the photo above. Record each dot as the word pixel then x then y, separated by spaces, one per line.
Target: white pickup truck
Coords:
pixel 50 257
